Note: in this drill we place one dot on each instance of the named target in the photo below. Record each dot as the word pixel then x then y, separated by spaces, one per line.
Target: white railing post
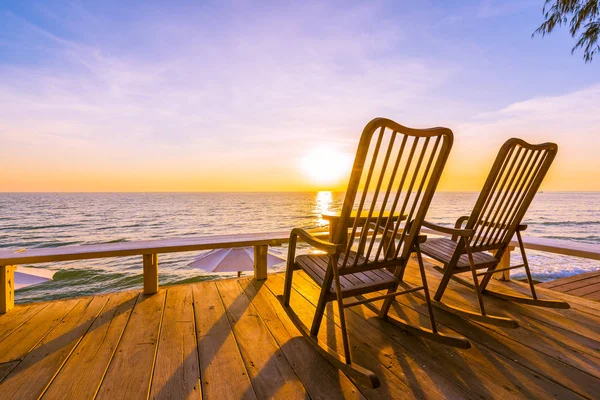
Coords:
pixel 7 288
pixel 150 273
pixel 260 262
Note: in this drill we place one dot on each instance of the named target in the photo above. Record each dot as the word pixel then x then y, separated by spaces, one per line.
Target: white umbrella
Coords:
pixel 25 276
pixel 230 260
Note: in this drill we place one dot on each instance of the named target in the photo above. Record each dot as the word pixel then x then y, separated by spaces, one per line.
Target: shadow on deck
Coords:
pixel 232 339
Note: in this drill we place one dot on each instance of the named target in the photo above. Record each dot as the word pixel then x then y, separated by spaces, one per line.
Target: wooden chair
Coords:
pixel 513 181
pixel 396 170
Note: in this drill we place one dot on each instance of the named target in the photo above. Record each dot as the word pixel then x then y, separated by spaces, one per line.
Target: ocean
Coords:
pixel 37 220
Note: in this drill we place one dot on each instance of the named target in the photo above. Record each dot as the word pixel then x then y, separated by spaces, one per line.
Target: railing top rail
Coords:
pixel 559 246
pixel 556 246
pixel 158 246
pixel 175 245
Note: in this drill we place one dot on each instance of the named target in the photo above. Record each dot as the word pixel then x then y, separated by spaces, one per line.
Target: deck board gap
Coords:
pixel 158 336
pixel 76 344
pixel 116 345
pixel 271 335
pixel 197 347
pixel 39 309
pixel 235 339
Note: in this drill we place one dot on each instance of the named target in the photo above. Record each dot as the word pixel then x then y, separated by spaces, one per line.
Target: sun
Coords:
pixel 326 165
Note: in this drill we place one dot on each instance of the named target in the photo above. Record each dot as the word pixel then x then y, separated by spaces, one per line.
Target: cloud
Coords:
pixel 572 116
pixel 571 120
pixel 262 91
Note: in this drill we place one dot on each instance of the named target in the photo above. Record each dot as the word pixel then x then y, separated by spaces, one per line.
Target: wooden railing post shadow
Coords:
pixel 260 262
pixel 150 273
pixel 7 288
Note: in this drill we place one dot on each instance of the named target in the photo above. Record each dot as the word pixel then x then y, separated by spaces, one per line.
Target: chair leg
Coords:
pixel 425 288
pixel 526 264
pixel 399 273
pixel 533 300
pixel 387 303
pixel 486 279
pixel 475 280
pixel 345 338
pixel 443 284
pixel 342 316
pixel 289 271
pixel 319 312
pixel 287 288
pixel 429 334
pixel 357 373
pixel 465 313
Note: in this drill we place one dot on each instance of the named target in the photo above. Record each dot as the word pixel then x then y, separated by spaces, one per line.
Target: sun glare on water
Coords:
pixel 325 165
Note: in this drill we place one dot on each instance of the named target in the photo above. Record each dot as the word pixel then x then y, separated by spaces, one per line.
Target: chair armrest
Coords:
pixel 458 225
pixel 521 227
pixel 449 231
pixel 459 222
pixel 328 247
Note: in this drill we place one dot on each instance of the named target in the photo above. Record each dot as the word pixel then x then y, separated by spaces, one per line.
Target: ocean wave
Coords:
pixel 107 228
pixel 117 241
pixel 592 239
pixel 57 244
pixel 566 223
pixel 120 240
pixel 38 227
pixel 137 225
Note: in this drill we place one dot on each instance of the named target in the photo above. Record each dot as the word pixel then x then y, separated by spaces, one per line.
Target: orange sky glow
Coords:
pixel 250 97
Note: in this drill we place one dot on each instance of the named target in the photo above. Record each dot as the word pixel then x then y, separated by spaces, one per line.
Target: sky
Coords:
pixel 241 95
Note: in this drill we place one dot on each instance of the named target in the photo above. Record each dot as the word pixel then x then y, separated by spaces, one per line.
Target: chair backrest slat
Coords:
pixel 517 213
pixel 411 215
pixel 364 233
pixel 390 185
pixel 362 153
pixel 383 207
pixel 389 221
pixel 513 181
pixel 395 226
pixel 500 195
pixel 515 195
pixel 483 201
pixel 393 179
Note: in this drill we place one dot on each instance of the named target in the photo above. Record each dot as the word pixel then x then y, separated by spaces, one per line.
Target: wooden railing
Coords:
pixel 150 249
pixel 556 246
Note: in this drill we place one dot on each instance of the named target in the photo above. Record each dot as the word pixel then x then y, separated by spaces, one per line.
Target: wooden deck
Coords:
pixel 232 339
pixel 583 285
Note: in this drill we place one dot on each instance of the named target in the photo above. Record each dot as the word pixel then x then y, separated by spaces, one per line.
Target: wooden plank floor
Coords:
pixel 232 339
pixel 582 285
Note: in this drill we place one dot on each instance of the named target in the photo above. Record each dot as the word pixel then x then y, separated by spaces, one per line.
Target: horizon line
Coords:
pixel 257 191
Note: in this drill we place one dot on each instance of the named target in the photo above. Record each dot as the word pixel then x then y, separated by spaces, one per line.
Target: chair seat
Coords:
pixel 443 249
pixel 353 284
